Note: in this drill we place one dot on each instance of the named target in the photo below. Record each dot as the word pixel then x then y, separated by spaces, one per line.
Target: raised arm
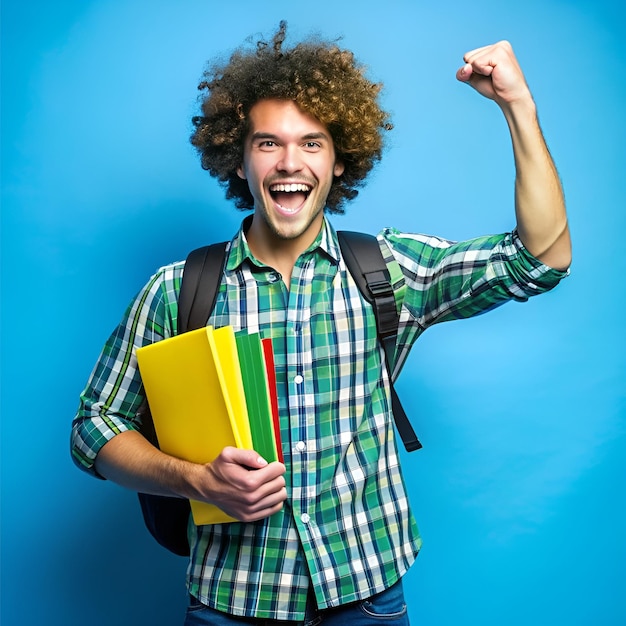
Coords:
pixel 494 72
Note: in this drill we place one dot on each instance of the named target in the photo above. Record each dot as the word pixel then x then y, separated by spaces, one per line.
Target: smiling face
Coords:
pixel 289 164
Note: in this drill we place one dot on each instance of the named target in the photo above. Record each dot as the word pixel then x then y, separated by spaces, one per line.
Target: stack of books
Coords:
pixel 208 389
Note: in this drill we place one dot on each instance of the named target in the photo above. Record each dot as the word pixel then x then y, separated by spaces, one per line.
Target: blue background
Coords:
pixel 519 491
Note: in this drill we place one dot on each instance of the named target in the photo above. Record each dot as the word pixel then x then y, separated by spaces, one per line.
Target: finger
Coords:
pixel 484 59
pixel 468 56
pixel 482 63
pixel 271 500
pixel 251 506
pixel 249 484
pixel 259 484
pixel 260 514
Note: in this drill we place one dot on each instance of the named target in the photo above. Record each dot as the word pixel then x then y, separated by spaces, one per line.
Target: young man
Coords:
pixel 292 133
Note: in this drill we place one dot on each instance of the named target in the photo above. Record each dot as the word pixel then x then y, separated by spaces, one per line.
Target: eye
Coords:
pixel 312 145
pixel 267 144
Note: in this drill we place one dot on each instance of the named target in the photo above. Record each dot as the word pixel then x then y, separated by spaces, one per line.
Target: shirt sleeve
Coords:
pixel 109 403
pixel 448 280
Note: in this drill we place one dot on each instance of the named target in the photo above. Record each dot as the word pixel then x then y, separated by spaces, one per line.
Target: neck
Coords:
pixel 279 253
pixel 281 260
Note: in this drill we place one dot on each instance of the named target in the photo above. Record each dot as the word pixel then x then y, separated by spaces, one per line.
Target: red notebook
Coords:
pixel 268 353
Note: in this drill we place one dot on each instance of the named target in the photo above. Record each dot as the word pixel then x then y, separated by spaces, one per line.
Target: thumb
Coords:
pixel 468 72
pixel 247 458
pixel 464 73
pixel 480 79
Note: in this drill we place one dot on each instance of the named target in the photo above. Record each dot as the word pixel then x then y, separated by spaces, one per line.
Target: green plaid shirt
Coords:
pixel 346 531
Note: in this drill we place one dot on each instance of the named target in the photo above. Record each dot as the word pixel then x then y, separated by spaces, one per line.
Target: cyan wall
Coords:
pixel 519 488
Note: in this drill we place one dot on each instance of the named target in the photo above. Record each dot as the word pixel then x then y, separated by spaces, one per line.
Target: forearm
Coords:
pixel 237 481
pixel 493 71
pixel 539 202
pixel 132 462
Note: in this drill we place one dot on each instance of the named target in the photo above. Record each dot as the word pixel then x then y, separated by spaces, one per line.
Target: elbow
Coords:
pixel 559 254
pixel 555 251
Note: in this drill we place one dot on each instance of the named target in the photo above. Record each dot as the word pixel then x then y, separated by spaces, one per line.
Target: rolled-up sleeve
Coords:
pixel 109 402
pixel 448 280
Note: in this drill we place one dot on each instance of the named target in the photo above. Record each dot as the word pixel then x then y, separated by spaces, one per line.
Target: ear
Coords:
pixel 241 173
pixel 338 169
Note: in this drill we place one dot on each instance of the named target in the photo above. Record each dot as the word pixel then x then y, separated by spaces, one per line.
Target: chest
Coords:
pixel 322 318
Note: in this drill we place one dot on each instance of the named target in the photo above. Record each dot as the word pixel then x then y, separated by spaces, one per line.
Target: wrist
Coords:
pixel 194 481
pixel 520 111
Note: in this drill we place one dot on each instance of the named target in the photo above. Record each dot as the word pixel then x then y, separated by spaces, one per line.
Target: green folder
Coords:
pixel 254 375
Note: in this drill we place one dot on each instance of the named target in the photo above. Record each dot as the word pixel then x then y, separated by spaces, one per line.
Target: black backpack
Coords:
pixel 166 518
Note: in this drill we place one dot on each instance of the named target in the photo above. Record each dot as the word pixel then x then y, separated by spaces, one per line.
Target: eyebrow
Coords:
pixel 308 137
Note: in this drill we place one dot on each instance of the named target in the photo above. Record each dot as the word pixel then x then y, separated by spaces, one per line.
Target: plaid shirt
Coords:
pixel 346 531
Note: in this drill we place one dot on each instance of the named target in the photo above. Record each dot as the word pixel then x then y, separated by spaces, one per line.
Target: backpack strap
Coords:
pixel 201 280
pixel 366 264
pixel 166 518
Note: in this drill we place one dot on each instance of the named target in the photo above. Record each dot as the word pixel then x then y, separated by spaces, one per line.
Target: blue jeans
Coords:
pixel 387 606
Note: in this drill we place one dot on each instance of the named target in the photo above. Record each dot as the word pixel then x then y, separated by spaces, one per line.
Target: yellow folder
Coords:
pixel 196 400
pixel 228 357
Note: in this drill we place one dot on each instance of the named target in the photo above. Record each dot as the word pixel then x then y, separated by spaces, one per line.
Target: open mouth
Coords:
pixel 290 197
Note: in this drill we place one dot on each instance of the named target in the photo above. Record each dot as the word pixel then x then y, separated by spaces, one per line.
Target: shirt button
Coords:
pixel 298 379
pixel 305 518
pixel 301 446
pixel 273 277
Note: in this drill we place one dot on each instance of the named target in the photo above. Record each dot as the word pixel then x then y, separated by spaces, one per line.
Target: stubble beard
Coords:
pixel 279 234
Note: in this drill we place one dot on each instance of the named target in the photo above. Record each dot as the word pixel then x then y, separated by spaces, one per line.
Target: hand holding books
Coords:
pixel 248 488
pixel 209 390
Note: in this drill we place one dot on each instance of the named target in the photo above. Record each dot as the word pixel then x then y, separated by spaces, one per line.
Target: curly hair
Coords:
pixel 322 79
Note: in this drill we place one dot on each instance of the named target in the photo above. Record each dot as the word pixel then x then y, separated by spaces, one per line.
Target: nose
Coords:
pixel 290 159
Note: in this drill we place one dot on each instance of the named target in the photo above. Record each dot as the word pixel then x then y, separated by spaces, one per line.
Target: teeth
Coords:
pixel 292 187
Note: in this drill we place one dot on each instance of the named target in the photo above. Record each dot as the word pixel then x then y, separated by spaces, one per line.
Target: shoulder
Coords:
pixel 161 289
pixel 400 241
pixel 168 276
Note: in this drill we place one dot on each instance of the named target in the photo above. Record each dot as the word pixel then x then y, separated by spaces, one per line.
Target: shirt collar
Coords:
pixel 326 243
